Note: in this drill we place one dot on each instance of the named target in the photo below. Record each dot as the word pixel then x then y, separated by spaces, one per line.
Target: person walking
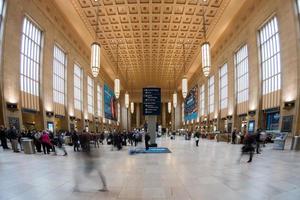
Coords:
pixel 257 139
pixel 147 139
pixel 75 140
pixel 46 143
pixel 3 138
pixel 197 137
pixel 87 158
pixel 233 136
pixel 249 142
pixel 61 142
pixel 37 140
pixel 13 135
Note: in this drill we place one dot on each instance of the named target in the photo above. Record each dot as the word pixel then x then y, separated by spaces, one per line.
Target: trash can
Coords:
pixel 279 141
pixel 296 143
pixel 28 146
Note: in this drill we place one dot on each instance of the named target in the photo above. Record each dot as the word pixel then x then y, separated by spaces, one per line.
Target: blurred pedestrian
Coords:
pixel 88 157
pixel 248 147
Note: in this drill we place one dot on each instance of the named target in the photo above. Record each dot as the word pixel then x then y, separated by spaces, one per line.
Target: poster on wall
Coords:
pixel 110 104
pixel 191 105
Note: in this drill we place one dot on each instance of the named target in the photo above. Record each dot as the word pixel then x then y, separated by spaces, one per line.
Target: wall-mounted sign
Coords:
pixel 151 101
pixel 287 123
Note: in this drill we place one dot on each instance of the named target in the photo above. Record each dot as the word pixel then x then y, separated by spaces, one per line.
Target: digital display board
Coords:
pixel 151 101
pixel 191 105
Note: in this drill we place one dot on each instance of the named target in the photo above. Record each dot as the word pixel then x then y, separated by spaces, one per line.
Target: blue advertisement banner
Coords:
pixel 191 105
pixel 110 104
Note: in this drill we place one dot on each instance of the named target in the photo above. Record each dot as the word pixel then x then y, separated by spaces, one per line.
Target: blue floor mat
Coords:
pixel 150 150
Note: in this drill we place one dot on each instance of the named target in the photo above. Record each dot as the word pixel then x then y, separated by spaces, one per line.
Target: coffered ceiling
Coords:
pixel 152 35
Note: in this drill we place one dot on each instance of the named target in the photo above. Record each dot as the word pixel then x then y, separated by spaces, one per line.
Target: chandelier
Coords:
pixel 126 94
pixel 132 107
pixel 175 93
pixel 169 107
pixel 95 52
pixel 169 102
pixel 126 99
pixel 175 99
pixel 184 81
pixel 117 80
pixel 205 50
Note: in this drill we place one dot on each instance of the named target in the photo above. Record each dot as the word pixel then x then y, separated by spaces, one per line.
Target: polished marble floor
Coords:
pixel 207 172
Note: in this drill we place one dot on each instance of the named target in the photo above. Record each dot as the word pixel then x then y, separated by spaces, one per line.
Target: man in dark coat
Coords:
pixel 3 138
pixel 147 139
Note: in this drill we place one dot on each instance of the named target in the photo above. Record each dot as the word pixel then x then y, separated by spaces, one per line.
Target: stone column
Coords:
pixel 151 120
pixel 164 115
pixel 173 118
pixel 138 115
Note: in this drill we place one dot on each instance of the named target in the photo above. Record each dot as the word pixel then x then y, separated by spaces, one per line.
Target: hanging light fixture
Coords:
pixel 95 52
pixel 184 81
pixel 169 102
pixel 205 50
pixel 126 94
pixel 117 87
pixel 175 99
pixel 132 107
pixel 117 80
pixel 169 107
pixel 175 93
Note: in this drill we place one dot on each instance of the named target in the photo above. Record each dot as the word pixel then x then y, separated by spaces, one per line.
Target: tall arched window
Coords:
pixel 31 51
pixel 241 79
pixel 211 94
pixel 59 78
pixel 202 100
pixel 223 89
pixel 99 101
pixel 90 95
pixel 269 49
pixel 78 101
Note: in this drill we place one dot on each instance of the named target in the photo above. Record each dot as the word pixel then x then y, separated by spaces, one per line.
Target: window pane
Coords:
pixel 30 57
pixel 270 56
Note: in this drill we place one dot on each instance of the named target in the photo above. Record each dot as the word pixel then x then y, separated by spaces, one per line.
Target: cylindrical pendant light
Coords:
pixel 117 87
pixel 205 51
pixel 206 61
pixel 184 81
pixel 126 99
pixel 169 107
pixel 132 107
pixel 95 58
pixel 117 80
pixel 174 99
pixel 184 85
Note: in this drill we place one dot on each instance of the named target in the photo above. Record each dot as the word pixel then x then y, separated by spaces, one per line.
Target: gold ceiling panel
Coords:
pixel 150 34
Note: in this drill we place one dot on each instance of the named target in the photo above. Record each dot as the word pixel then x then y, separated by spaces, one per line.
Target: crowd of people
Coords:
pixel 44 141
